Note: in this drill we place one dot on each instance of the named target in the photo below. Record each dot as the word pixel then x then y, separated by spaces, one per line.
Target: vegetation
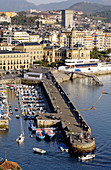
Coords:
pixel 104 16
pixel 99 54
pixel 22 19
pixel 89 8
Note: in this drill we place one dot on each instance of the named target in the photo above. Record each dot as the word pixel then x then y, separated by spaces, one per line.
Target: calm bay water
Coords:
pixel 83 95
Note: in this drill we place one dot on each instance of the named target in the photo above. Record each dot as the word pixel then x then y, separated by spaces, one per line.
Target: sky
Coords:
pixel 38 2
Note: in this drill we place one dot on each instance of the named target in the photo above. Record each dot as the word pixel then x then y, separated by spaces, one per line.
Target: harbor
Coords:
pixel 61 113
pixel 53 153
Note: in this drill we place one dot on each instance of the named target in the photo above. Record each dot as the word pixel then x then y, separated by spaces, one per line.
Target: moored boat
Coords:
pixel 86 157
pixel 49 133
pixel 40 135
pixel 20 139
pixel 17 116
pixel 38 150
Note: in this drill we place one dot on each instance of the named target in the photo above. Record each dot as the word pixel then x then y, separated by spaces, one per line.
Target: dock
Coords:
pixel 76 131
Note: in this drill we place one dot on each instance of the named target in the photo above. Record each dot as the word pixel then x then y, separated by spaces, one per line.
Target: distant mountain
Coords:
pixel 16 5
pixel 68 3
pixel 23 5
pixel 88 8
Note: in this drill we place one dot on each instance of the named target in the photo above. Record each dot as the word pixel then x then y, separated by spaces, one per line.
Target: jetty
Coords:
pixel 93 77
pixel 75 129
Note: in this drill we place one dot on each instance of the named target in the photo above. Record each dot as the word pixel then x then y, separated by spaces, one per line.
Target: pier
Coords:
pixel 93 77
pixel 76 131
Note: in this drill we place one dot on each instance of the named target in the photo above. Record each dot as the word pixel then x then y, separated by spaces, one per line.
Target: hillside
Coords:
pixel 104 16
pixel 88 8
pixel 16 5
pixel 69 3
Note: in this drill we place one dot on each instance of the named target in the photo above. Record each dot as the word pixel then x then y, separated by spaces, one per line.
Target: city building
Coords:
pixel 34 50
pixel 57 53
pixel 67 18
pixel 14 60
pixel 78 51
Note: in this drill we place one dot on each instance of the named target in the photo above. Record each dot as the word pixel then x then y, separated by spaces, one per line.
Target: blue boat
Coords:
pixel 49 133
pixel 32 126
pixel 40 135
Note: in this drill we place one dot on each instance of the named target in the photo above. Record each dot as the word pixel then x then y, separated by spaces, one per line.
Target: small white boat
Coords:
pixel 38 150
pixel 20 139
pixel 86 157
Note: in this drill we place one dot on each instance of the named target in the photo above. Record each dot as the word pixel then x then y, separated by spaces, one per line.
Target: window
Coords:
pixel 47 52
pixel 69 54
pixel 82 55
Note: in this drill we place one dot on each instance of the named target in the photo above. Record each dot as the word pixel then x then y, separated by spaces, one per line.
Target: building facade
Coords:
pixel 34 49
pixel 14 60
pixel 67 18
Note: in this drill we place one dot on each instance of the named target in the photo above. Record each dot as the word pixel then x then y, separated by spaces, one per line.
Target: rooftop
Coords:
pixel 28 44
pixel 10 52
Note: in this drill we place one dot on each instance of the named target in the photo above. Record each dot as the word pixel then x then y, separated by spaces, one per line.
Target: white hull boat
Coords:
pixel 38 150
pixel 20 139
pixel 86 157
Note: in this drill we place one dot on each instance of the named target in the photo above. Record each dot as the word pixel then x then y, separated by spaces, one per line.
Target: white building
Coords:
pixel 5 19
pixel 21 36
pixel 33 76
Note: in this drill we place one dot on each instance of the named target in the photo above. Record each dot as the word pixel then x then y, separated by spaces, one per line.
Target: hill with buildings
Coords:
pixel 87 7
pixel 16 5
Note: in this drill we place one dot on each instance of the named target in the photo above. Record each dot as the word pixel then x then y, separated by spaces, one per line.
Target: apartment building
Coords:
pixel 34 49
pixel 21 36
pixel 67 18
pixel 14 60
pixel 107 40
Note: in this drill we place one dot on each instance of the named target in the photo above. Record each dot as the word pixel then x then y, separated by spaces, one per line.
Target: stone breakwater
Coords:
pixel 75 130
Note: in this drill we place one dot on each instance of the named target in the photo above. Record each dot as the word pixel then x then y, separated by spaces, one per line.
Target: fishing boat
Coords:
pixel 40 135
pixel 38 150
pixel 49 133
pixel 86 157
pixel 21 138
pixel 63 147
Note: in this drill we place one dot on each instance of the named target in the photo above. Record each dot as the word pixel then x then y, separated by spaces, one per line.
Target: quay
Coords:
pixel 76 131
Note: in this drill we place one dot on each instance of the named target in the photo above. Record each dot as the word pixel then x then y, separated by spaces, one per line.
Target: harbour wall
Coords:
pixel 72 122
